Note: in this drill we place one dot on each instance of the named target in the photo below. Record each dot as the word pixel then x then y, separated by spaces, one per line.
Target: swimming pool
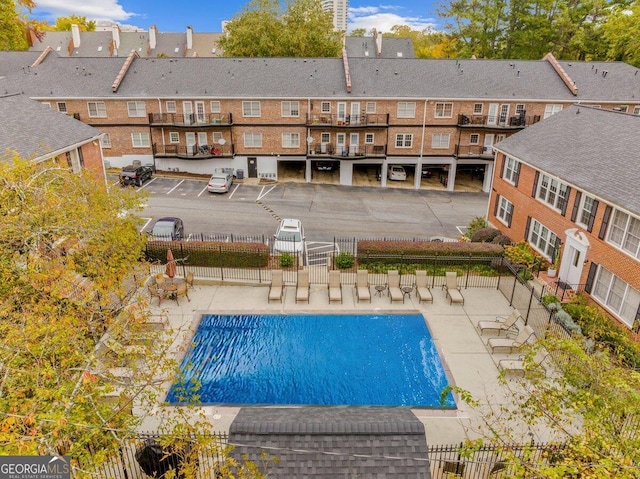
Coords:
pixel 313 359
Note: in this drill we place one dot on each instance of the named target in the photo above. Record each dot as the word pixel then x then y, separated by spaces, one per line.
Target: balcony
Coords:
pixel 349 121
pixel 190 119
pixel 192 152
pixel 473 151
pixel 492 121
pixel 331 150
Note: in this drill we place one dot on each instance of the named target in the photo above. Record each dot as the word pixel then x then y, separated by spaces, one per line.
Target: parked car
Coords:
pixel 135 175
pixel 168 229
pixel 396 173
pixel 324 165
pixel 220 183
pixel 426 172
pixel 289 237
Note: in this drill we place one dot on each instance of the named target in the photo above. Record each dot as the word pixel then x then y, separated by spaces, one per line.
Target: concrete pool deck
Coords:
pixel 464 352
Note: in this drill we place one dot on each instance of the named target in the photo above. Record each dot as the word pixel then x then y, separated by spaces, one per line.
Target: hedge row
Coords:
pixel 211 254
pixel 429 248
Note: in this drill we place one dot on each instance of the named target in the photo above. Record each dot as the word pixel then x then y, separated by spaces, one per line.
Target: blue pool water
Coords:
pixel 329 359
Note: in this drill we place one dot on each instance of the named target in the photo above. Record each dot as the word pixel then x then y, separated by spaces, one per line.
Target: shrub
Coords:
pixel 474 225
pixel 286 260
pixel 211 254
pixel 344 260
pixel 502 240
pixel 522 254
pixel 566 321
pixel 484 235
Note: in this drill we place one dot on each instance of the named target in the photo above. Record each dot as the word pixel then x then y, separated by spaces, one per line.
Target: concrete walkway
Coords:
pixel 453 327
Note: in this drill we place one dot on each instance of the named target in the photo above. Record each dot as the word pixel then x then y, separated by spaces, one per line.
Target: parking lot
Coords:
pixel 326 210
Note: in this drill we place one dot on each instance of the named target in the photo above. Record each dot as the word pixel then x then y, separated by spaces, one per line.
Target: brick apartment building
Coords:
pixel 360 113
pixel 570 184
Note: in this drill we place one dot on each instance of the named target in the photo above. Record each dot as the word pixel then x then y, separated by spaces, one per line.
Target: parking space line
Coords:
pixel 145 185
pixel 203 190
pixel 234 190
pixel 171 190
pixel 145 224
pixel 263 193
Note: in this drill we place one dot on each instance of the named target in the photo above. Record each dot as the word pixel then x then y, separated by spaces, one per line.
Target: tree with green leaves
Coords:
pixel 427 43
pixel 621 32
pixel 13 28
pixel 266 28
pixel 63 24
pixel 82 360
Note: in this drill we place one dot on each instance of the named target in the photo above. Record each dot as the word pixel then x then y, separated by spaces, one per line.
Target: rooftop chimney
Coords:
pixel 152 36
pixel 75 35
pixel 561 73
pixel 115 35
pixel 189 38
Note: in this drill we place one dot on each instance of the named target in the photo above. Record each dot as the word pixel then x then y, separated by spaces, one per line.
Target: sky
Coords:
pixel 207 15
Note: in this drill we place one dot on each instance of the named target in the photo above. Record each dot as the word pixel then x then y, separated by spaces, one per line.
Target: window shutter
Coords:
pixel 516 174
pixel 535 184
pixel 526 229
pixel 565 202
pixel 592 216
pixel 593 268
pixel 605 222
pixel 576 205
pixel 495 207
pixel 504 160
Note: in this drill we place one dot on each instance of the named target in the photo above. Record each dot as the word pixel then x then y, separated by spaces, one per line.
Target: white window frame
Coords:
pixel 636 110
pixel 551 109
pixel 437 140
pixel 505 211
pixel 616 295
pixel 520 108
pixel 170 106
pixel 140 139
pixel 136 109
pixel 214 106
pixel 174 137
pixel 623 108
pixel 369 138
pixel 370 107
pixel 478 108
pixel 46 103
pixel 99 109
pixel 217 136
pixel 62 106
pixel 404 140
pixel 290 108
pixel 406 109
pixel 443 109
pixel 325 107
pixel 325 137
pixel 585 210
pixel 542 239
pixel 251 109
pixel 474 139
pixel 511 170
pixel 552 192
pixel 624 233
pixel 291 140
pixel 105 141
pixel 252 139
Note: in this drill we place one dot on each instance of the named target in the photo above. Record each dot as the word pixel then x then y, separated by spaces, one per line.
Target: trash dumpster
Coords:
pixel 240 174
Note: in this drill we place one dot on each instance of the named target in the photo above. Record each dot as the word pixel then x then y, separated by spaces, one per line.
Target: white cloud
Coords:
pixel 383 19
pixel 92 9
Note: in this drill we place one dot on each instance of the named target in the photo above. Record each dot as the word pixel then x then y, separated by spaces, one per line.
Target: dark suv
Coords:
pixel 135 175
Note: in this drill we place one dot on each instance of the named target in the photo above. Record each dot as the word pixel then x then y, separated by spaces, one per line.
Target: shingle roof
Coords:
pixel 170 44
pixel 204 44
pixel 138 41
pixel 604 81
pixel 59 41
pixel 365 47
pixel 35 130
pixel 94 44
pixel 12 62
pixel 332 442
pixel 595 150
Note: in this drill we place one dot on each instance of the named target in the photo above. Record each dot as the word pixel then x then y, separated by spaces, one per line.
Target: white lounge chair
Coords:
pixel 511 345
pixel 334 287
pixel 453 290
pixel 363 289
pixel 276 288
pixel 303 287
pixel 394 291
pixel 508 325
pixel 423 293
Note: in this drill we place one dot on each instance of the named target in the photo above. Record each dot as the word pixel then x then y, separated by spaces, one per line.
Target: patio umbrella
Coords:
pixel 171 264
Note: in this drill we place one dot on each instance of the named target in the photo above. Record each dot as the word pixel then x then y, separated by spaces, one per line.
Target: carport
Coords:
pixel 293 169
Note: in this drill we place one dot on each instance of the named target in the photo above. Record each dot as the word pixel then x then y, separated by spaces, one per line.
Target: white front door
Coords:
pixel 573 257
pixel 201 115
pixel 492 118
pixel 342 111
pixel 355 112
pixel 202 138
pixel 341 147
pixel 504 115
pixel 354 140
pixel 191 142
pixel 487 149
pixel 187 112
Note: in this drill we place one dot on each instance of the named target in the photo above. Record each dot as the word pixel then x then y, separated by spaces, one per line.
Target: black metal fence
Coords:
pixel 444 461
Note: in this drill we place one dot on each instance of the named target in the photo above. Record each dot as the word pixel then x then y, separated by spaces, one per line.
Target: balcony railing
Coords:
pixel 473 151
pixel 332 150
pixel 497 121
pixel 190 119
pixel 192 152
pixel 364 120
